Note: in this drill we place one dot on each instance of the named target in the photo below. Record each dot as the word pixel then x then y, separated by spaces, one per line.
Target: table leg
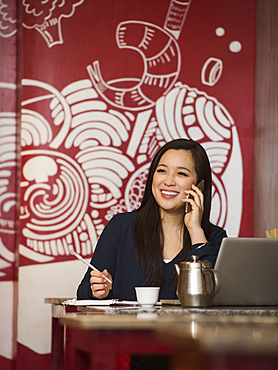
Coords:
pixel 57 346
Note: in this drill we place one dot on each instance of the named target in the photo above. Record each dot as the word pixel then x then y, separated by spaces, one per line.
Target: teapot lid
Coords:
pixel 196 262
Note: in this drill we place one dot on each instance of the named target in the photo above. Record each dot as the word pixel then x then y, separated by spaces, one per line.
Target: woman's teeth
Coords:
pixel 171 193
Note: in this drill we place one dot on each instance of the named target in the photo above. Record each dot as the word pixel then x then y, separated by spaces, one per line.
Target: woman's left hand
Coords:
pixel 193 219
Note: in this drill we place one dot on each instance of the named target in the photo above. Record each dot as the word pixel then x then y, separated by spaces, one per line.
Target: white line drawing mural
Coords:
pixel 56 216
pixel 68 203
pixel 57 189
pixel 213 67
pixel 176 16
pixel 95 142
pixel 211 71
pixel 45 17
pixel 160 72
pixel 161 63
pixel 7 172
pixel 7 19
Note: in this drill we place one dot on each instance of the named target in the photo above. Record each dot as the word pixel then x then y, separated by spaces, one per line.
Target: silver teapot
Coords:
pixel 197 283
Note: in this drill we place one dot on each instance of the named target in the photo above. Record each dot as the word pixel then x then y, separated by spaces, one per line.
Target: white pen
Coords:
pixel 88 264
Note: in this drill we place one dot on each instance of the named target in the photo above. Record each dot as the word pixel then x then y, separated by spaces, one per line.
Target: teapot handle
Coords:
pixel 216 281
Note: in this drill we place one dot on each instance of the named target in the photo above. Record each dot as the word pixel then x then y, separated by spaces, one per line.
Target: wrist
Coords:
pixel 197 235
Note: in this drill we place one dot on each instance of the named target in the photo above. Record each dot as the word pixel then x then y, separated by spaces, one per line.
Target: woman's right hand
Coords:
pixel 99 286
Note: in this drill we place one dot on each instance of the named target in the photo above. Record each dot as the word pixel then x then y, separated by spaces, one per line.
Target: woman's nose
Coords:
pixel 170 180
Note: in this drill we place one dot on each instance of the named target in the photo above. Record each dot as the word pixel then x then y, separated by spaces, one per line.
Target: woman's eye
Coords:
pixel 160 170
pixel 182 174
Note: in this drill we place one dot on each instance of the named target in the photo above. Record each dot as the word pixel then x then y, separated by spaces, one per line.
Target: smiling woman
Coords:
pixel 141 247
pixel 172 179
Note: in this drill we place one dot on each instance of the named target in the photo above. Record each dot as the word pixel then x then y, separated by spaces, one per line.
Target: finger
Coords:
pixel 100 294
pixel 193 192
pixel 196 195
pixel 198 191
pixel 97 287
pixel 191 199
pixel 99 290
pixel 106 274
pixel 195 188
pixel 95 273
pixel 188 202
pixel 97 279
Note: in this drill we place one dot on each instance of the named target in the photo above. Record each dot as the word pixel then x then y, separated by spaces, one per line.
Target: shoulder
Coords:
pixel 126 219
pixel 126 216
pixel 217 231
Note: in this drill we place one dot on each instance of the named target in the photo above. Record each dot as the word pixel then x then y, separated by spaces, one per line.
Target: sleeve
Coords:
pixel 104 257
pixel 210 250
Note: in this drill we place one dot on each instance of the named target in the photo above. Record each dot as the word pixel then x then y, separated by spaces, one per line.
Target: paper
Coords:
pixel 99 302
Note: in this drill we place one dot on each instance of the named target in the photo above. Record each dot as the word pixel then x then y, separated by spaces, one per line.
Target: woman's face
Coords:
pixel 174 174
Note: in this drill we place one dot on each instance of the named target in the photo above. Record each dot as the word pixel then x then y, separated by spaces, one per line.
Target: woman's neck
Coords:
pixel 170 218
pixel 172 226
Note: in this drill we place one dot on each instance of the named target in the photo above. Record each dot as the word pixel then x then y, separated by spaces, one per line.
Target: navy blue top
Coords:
pixel 115 251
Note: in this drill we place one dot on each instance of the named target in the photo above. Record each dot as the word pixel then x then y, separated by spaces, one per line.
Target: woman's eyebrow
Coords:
pixel 179 167
pixel 184 168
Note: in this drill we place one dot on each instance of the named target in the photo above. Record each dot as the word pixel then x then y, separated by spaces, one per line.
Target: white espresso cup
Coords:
pixel 147 296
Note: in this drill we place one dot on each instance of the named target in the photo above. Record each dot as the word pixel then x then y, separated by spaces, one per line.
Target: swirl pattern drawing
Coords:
pixel 69 194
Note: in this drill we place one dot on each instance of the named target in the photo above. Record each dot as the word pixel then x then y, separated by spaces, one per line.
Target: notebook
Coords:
pixel 248 269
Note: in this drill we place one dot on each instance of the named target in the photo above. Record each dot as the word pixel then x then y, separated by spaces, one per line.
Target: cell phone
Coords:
pixel 201 187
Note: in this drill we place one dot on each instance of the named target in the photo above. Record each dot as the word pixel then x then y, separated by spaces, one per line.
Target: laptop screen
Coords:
pixel 248 269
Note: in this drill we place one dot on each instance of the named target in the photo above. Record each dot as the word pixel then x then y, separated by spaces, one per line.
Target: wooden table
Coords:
pixel 104 339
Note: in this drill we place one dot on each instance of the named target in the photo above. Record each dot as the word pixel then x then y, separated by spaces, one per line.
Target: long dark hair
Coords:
pixel 148 233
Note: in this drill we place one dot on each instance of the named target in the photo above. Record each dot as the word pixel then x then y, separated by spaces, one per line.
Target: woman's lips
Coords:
pixel 169 193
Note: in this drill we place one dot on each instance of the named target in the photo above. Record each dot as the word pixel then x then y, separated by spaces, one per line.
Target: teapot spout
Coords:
pixel 177 269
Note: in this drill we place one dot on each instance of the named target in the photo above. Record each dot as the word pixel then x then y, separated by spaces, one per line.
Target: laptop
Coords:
pixel 248 269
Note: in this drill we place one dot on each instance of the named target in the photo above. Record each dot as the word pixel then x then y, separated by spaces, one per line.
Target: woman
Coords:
pixel 141 247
